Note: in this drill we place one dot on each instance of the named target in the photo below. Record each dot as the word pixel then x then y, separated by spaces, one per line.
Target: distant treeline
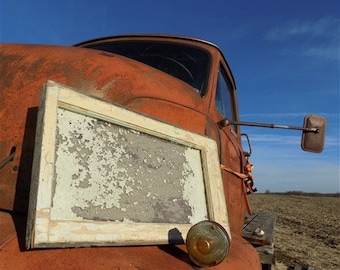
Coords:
pixel 302 193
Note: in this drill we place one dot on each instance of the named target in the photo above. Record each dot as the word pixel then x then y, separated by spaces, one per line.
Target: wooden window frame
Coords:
pixel 44 232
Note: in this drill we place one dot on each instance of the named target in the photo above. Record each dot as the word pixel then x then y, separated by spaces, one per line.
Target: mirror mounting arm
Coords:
pixel 225 122
pixel 313 131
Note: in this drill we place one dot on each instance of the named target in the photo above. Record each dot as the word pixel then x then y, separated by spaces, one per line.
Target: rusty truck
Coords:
pixel 126 152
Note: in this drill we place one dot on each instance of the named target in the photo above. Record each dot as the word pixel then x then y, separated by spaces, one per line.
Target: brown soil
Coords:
pixel 307 231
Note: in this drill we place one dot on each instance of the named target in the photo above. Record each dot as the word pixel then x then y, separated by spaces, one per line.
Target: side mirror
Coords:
pixel 313 141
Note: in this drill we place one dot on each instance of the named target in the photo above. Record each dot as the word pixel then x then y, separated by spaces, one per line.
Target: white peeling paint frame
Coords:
pixel 106 176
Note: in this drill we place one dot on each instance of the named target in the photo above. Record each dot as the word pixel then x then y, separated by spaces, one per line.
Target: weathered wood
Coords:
pixel 259 231
pixel 266 254
pixel 91 187
pixel 259 221
pixel 300 268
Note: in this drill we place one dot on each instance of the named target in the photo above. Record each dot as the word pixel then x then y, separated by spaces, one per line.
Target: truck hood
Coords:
pixel 112 77
pixel 25 69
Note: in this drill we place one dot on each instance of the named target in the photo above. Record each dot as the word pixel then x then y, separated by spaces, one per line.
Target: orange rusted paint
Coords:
pixel 24 70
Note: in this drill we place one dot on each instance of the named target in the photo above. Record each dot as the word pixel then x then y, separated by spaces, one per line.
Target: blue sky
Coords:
pixel 284 56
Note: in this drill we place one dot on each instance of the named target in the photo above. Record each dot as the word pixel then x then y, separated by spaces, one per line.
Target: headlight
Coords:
pixel 208 243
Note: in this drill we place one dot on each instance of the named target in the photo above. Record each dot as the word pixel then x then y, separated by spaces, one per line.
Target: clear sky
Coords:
pixel 284 55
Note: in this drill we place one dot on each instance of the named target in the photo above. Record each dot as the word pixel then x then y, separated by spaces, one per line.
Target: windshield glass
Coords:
pixel 188 63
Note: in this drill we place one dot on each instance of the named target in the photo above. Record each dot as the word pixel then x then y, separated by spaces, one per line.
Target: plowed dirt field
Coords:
pixel 307 231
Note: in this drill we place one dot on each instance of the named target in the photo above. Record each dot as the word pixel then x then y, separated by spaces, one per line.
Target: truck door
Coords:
pixel 224 105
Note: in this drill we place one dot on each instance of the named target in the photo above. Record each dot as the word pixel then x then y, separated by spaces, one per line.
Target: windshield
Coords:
pixel 188 63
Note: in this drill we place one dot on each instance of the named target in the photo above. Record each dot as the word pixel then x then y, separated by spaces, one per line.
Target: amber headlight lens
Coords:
pixel 208 243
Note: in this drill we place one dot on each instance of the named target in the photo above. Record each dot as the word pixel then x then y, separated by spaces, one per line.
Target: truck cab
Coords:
pixel 210 98
pixel 181 82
